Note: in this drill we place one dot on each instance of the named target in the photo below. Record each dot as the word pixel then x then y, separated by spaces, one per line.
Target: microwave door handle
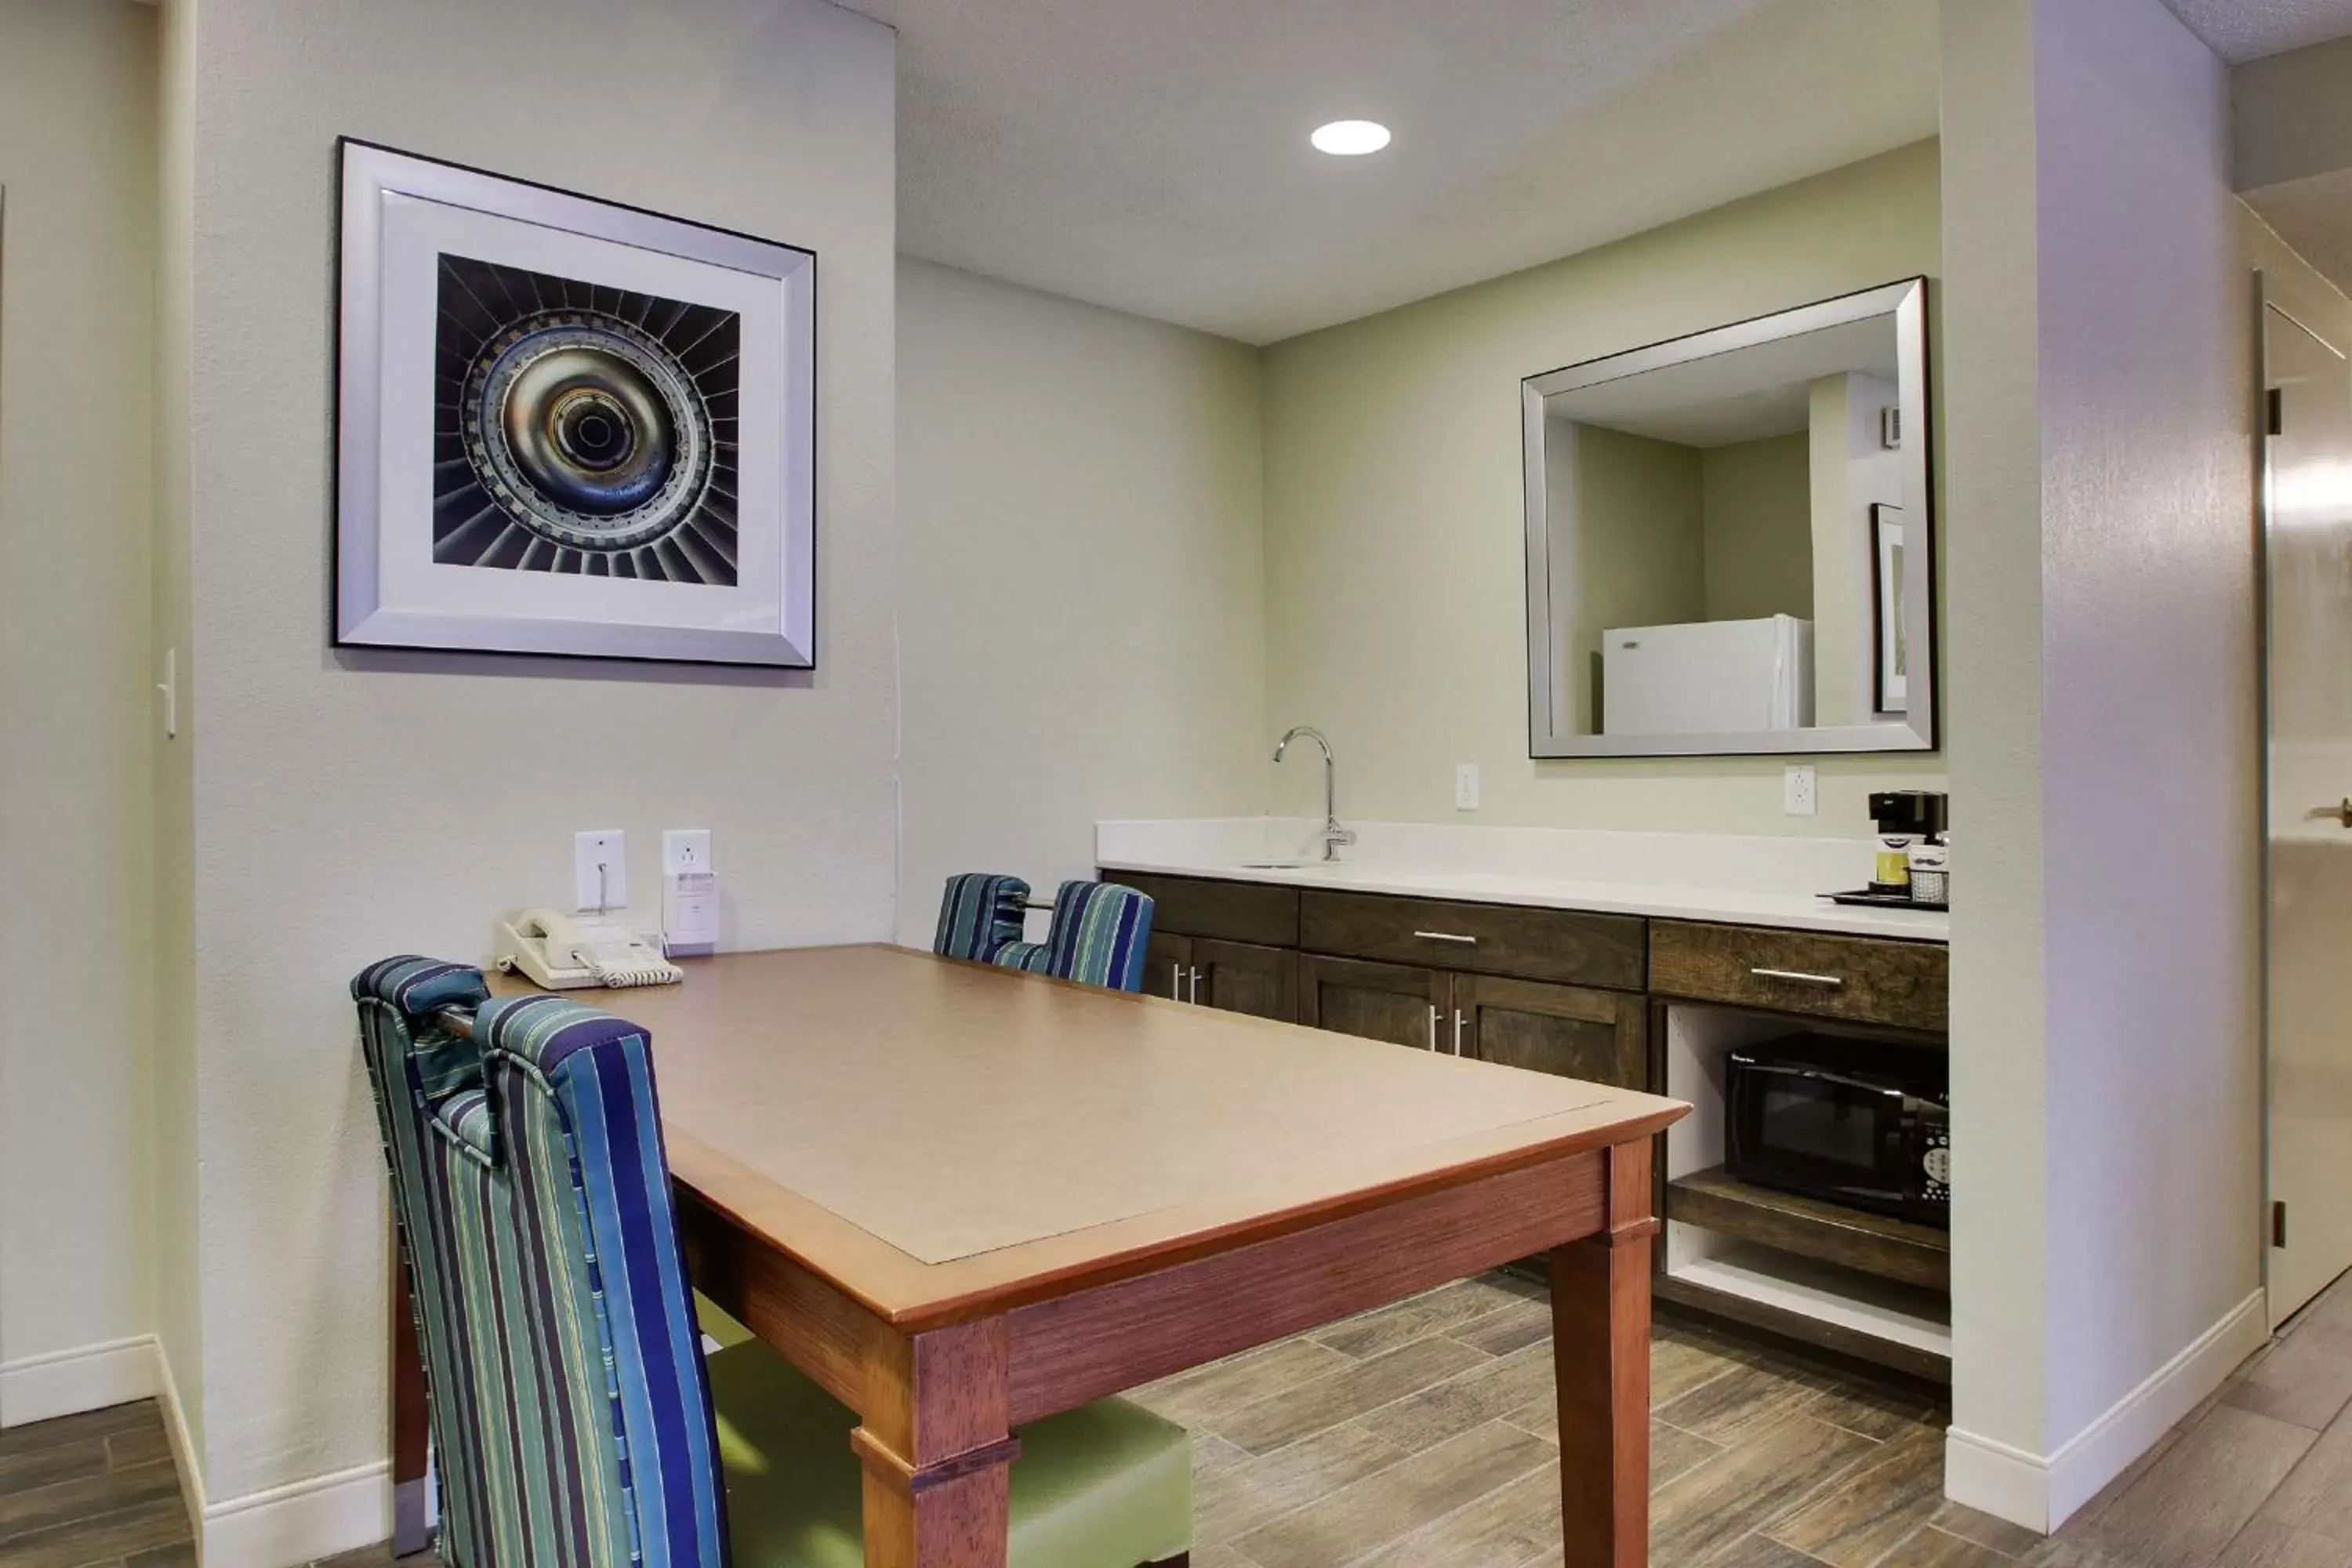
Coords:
pixel 1818 1075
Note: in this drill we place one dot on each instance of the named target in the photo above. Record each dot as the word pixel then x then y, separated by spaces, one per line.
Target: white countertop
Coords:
pixel 1693 877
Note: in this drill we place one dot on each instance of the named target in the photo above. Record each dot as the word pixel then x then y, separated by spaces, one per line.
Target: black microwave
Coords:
pixel 1861 1122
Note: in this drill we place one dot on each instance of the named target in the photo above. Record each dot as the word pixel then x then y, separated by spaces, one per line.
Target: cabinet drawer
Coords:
pixel 1258 913
pixel 1599 1036
pixel 1479 939
pixel 1863 978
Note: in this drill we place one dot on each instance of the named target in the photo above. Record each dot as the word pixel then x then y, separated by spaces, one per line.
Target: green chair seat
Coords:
pixel 1106 1483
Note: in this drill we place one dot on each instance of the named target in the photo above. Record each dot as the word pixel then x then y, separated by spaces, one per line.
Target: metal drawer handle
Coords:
pixel 1800 976
pixel 1447 936
pixel 1433 1027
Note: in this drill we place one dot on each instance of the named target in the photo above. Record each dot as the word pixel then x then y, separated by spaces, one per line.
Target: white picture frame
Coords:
pixel 1890 651
pixel 567 427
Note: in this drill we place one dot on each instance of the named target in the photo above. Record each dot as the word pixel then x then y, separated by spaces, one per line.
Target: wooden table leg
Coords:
pixel 938 1448
pixel 411 1529
pixel 1601 1341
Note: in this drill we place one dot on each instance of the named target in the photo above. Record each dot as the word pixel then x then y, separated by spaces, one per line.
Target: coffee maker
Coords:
pixel 1908 821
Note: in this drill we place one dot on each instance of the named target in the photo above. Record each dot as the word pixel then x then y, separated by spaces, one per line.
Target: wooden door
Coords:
pixel 2307 532
pixel 1242 977
pixel 1167 965
pixel 1392 1002
pixel 1566 1030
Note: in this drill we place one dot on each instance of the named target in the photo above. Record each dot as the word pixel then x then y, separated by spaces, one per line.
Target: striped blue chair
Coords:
pixel 980 914
pixel 1100 934
pixel 576 1421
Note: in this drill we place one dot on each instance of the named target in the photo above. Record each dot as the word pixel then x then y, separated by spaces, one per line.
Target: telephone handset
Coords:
pixel 563 955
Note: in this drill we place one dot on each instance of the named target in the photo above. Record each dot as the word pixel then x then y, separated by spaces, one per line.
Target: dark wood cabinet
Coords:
pixel 1562 1029
pixel 1264 914
pixel 1564 945
pixel 1235 976
pixel 1602 1035
pixel 1166 959
pixel 1581 996
pixel 1392 1001
pixel 1244 978
pixel 1866 979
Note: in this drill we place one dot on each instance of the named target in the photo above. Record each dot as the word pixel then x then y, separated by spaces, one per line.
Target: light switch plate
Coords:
pixel 1466 786
pixel 686 849
pixel 1797 792
pixel 600 871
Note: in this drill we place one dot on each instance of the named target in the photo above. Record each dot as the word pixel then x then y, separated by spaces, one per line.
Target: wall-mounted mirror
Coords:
pixel 1728 540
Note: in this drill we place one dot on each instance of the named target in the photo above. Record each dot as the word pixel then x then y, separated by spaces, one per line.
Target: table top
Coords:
pixel 938 1138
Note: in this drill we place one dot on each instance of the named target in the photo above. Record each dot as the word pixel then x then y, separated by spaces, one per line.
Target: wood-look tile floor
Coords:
pixel 1421 1435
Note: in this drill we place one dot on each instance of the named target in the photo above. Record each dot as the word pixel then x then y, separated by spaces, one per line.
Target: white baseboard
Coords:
pixel 67 1383
pixel 2042 1493
pixel 1995 1478
pixel 286 1526
pixel 184 1442
pixel 321 1517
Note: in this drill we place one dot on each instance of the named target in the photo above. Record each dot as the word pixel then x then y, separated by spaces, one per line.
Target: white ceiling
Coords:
pixel 2248 29
pixel 1745 394
pixel 2314 216
pixel 1151 156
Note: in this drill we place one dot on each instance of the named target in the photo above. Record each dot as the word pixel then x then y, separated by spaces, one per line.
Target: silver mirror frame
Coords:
pixel 1914 732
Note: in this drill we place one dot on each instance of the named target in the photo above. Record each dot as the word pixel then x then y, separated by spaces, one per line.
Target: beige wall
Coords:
pixel 1395 565
pixel 1757 499
pixel 1632 537
pixel 1082 613
pixel 2292 281
pixel 76 163
pixel 178 1173
pixel 2105 1039
pixel 2292 115
pixel 347 806
pixel 1849 472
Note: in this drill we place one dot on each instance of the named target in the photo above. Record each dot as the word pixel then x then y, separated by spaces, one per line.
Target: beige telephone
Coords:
pixel 562 955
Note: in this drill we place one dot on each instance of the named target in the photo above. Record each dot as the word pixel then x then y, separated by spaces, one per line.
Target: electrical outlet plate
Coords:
pixel 686 849
pixel 1798 797
pixel 600 871
pixel 1466 786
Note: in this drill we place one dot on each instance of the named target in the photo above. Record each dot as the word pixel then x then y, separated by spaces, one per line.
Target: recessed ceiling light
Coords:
pixel 1350 138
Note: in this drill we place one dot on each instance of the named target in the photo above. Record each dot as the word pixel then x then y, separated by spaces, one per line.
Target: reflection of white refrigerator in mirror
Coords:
pixel 1707 678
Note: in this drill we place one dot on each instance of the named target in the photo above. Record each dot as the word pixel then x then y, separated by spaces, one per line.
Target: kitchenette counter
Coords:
pixel 1712 877
pixel 1635 959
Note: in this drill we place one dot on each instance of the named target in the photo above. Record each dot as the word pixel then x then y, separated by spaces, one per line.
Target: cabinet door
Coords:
pixel 1390 1002
pixel 1167 962
pixel 1602 1035
pixel 1241 977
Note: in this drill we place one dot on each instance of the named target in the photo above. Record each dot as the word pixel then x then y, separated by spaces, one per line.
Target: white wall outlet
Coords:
pixel 689 892
pixel 600 871
pixel 1798 797
pixel 686 849
pixel 1466 786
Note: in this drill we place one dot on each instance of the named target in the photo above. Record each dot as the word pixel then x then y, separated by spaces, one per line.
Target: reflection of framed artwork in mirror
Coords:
pixel 1887 609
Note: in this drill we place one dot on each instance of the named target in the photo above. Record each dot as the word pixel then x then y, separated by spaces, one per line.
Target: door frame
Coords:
pixel 2262 471
pixel 2265 303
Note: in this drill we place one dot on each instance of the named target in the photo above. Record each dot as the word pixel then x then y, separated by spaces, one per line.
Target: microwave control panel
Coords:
pixel 1936 1164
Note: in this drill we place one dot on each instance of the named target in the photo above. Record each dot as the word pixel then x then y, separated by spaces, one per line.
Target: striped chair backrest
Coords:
pixel 980 914
pixel 569 1410
pixel 1100 931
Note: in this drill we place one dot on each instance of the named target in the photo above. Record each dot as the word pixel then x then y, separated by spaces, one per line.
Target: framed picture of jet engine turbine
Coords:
pixel 569 426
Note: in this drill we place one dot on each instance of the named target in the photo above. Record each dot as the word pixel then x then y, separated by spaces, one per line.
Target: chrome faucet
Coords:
pixel 1332 834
